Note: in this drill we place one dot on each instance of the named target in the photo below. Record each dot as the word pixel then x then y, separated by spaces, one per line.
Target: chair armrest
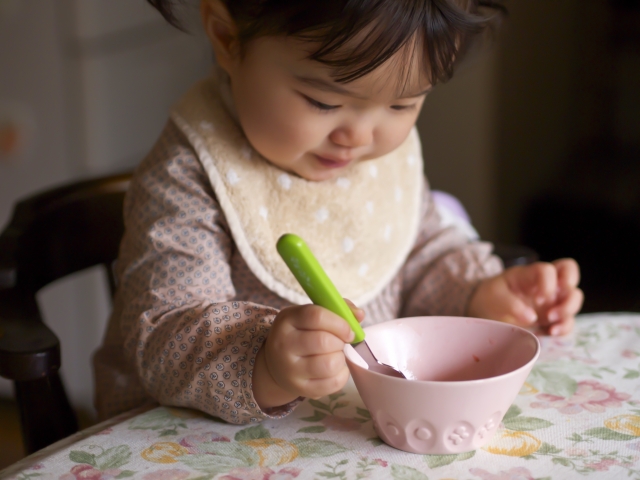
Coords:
pixel 29 350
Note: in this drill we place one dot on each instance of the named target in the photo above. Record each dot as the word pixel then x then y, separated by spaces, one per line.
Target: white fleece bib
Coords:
pixel 361 226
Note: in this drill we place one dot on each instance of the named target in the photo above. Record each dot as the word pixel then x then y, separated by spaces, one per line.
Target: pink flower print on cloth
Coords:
pixel 517 473
pixel 590 395
pixel 603 465
pixel 88 472
pixel 193 442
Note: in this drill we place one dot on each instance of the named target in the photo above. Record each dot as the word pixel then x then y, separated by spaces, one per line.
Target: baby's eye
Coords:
pixel 320 105
pixel 403 107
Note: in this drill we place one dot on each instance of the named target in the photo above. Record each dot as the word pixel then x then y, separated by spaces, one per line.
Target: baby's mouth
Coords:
pixel 331 162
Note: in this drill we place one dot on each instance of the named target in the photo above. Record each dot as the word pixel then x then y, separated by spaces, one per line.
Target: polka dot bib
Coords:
pixel 361 226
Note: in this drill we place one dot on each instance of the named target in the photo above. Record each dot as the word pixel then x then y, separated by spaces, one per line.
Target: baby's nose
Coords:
pixel 352 136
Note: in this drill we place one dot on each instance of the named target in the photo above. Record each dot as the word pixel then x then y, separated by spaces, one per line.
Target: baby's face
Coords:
pixel 304 122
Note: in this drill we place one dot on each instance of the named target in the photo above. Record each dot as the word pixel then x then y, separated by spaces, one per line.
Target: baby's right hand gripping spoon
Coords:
pixel 315 282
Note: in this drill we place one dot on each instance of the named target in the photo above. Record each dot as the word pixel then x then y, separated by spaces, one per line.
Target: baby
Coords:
pixel 306 127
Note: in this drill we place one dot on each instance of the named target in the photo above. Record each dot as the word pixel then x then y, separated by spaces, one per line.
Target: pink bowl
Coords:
pixel 467 373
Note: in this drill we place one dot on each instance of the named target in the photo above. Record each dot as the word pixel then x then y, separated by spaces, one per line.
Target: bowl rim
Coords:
pixel 453 383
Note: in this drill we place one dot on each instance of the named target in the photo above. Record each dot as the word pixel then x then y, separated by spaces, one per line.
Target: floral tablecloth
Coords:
pixel 577 416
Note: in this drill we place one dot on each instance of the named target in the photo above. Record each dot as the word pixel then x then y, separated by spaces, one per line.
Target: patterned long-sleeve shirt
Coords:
pixel 189 316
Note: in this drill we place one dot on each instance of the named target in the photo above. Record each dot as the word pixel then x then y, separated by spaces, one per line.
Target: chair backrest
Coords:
pixel 51 235
pixel 62 231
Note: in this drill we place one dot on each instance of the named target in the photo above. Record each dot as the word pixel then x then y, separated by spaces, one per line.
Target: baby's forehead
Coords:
pixel 397 78
pixel 402 75
pixel 405 73
pixel 396 82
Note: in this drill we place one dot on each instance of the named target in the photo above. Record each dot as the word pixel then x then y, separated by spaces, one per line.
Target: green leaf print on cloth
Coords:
pixel 435 461
pixel 365 467
pixel 114 457
pixel 606 434
pixel 313 429
pixel 548 380
pixel 252 447
pixel 165 419
pixel 102 464
pixel 230 455
pixel 621 428
pixel 314 448
pixel 401 472
pixel 325 413
pixel 252 433
pixel 513 421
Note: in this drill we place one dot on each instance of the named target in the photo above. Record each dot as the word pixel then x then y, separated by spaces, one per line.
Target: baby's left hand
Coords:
pixel 542 293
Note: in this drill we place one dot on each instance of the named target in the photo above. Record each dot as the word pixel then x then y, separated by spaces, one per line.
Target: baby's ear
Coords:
pixel 222 31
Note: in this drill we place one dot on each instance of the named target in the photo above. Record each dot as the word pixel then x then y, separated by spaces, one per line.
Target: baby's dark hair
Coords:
pixel 443 29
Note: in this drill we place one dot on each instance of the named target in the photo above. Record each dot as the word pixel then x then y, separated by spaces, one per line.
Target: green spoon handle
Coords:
pixel 314 281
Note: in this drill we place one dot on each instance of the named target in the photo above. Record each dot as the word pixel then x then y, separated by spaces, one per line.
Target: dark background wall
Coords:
pixel 568 146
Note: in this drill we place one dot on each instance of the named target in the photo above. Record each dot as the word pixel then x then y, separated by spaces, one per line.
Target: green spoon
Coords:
pixel 320 289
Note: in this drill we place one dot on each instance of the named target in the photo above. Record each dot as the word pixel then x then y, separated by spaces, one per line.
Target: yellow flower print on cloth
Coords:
pixel 626 424
pixel 269 452
pixel 512 440
pixel 164 452
pixel 513 444
pixel 621 428
pixel 252 450
pixel 273 451
pixel 528 389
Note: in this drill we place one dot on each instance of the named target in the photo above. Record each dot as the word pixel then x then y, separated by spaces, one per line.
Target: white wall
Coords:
pixel 92 81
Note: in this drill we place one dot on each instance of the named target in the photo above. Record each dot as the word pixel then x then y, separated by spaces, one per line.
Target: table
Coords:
pixel 577 416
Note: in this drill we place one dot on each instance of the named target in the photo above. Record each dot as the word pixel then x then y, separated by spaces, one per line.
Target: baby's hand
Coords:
pixel 546 293
pixel 302 356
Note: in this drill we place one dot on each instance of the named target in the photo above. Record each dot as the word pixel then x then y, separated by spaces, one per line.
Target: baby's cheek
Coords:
pixel 390 136
pixel 276 137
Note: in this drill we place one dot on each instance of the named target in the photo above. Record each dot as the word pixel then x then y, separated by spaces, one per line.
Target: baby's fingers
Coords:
pixel 314 342
pixel 568 307
pixel 537 282
pixel 568 274
pixel 357 312
pixel 315 318
pixel 562 327
pixel 319 387
pixel 517 312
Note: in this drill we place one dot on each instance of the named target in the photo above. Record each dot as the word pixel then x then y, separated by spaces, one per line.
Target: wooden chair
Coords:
pixel 50 236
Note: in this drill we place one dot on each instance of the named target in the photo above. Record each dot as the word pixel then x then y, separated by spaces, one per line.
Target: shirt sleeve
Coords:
pixel 444 268
pixel 192 342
